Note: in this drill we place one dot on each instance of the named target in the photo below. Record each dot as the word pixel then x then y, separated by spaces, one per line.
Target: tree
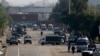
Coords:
pixel 60 7
pixel 79 6
pixel 79 20
pixel 3 19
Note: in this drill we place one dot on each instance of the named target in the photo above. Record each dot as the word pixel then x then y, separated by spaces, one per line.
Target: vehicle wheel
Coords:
pixel 53 43
pixel 24 42
pixel 16 43
pixel 42 43
pixel 10 44
pixel 30 42
pixel 57 43
pixel 78 51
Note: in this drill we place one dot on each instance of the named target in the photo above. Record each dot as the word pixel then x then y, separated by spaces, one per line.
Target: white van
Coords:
pixel 50 26
pixel 82 44
pixel 43 27
pixel 35 26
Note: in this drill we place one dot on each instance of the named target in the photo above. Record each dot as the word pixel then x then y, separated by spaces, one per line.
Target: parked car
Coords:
pixel 13 40
pixel 27 39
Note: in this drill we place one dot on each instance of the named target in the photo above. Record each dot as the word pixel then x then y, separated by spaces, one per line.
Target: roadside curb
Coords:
pixel 5 51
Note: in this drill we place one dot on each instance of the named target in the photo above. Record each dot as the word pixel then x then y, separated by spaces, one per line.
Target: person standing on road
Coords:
pixel 41 33
pixel 73 49
pixel 69 46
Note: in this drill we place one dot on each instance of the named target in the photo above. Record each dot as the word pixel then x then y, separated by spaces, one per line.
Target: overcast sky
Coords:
pixel 25 2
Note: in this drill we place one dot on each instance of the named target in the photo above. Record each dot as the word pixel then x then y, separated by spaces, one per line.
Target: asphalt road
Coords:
pixel 35 49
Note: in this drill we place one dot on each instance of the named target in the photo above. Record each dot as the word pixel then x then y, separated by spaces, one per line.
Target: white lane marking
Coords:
pixel 18 50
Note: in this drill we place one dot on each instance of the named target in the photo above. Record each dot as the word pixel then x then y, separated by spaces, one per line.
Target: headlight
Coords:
pixel 90 53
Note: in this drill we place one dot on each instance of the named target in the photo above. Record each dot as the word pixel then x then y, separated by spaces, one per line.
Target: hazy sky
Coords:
pixel 25 2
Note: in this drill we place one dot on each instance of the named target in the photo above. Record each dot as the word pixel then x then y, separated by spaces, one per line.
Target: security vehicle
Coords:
pixel 50 26
pixel 13 40
pixel 57 30
pixel 27 39
pixel 82 43
pixel 43 27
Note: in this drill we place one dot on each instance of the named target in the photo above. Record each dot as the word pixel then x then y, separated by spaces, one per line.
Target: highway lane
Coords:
pixel 12 51
pixel 35 49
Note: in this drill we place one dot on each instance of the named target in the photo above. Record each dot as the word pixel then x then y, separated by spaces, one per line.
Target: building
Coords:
pixel 41 11
pixel 27 19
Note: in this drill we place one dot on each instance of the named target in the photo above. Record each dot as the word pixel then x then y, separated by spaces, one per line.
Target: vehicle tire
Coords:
pixel 42 43
pixel 54 33
pixel 10 44
pixel 78 51
pixel 30 42
pixel 53 43
pixel 16 43
pixel 24 42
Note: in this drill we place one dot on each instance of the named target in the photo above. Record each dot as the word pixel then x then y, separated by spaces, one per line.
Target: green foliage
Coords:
pixel 3 18
pixel 81 19
pixel 58 9
pixel 78 6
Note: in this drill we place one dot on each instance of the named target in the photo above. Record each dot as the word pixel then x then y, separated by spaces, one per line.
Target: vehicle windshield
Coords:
pixel 43 26
pixel 56 29
pixel 81 43
pixel 72 38
pixel 50 26
pixel 90 49
pixel 34 25
pixel 13 38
